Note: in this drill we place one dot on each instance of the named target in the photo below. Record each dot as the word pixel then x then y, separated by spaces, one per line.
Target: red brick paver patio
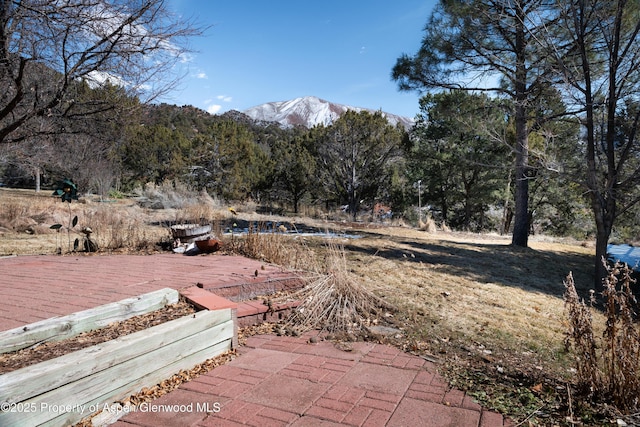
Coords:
pixel 275 381
pixel 39 287
pixel 286 381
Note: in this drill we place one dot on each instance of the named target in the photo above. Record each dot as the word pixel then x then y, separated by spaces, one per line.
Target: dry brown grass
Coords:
pixel 269 246
pixel 472 289
pixel 26 218
pixel 334 299
pixel 493 314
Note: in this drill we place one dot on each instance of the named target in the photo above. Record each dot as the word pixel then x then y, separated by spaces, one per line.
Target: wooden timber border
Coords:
pixel 60 328
pixel 62 391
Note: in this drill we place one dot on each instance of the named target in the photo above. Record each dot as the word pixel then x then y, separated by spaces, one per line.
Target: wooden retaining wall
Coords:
pixel 60 328
pixel 62 391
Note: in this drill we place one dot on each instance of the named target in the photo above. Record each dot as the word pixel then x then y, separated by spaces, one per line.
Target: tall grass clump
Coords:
pixel 115 231
pixel 271 246
pixel 608 368
pixel 334 300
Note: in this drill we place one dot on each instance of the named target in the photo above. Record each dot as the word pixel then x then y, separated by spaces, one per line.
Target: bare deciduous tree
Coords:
pixel 51 50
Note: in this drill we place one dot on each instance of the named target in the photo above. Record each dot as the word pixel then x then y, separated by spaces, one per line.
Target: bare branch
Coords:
pixel 48 48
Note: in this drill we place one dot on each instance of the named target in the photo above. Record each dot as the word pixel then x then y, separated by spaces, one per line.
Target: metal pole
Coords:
pixel 419 202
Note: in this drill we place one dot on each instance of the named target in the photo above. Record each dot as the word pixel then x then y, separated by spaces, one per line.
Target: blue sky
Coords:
pixel 264 51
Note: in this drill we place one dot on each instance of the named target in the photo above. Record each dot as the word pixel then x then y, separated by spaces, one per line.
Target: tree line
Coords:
pixel 460 149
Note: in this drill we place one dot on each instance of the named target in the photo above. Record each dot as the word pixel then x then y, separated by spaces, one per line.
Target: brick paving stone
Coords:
pixel 198 387
pixel 270 361
pixel 336 392
pixel 426 396
pixel 286 393
pixel 336 405
pixel 377 404
pixel 309 373
pixel 424 377
pixel 287 347
pixel 310 360
pixel 92 280
pixel 491 419
pixel 247 378
pixel 387 397
pixel 378 418
pixel 326 348
pixel 179 405
pixel 370 377
pixel 469 403
pixel 428 388
pixel 357 416
pixel 210 378
pixel 416 363
pixel 247 413
pixel 212 421
pixel 453 397
pixel 325 413
pixel 233 389
pixel 240 374
pixel 309 421
pixel 339 367
pixel 257 341
pixel 331 376
pixel 377 360
pixel 353 395
pixel 278 414
pixel 411 412
pixel 400 361
pixel 229 408
pixel 258 421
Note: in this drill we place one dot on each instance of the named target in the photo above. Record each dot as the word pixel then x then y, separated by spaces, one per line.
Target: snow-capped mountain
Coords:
pixel 309 111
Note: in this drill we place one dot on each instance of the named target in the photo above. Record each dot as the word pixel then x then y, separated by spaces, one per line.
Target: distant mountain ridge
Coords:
pixel 310 111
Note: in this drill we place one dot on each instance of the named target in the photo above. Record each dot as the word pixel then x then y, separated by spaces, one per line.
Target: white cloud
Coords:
pixel 201 75
pixel 213 108
pixel 185 57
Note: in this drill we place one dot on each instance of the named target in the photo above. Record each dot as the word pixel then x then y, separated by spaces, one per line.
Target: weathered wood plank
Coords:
pixel 117 380
pixel 20 385
pixel 59 328
pixel 135 386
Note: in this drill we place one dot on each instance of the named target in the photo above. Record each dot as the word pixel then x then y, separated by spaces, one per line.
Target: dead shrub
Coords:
pixel 21 216
pixel 200 208
pixel 428 225
pixel 608 368
pixel 334 300
pixel 12 211
pixel 167 195
pixel 116 230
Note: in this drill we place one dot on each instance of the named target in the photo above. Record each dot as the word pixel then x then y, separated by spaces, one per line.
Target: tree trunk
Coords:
pixel 602 239
pixel 38 175
pixel 604 210
pixel 521 219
